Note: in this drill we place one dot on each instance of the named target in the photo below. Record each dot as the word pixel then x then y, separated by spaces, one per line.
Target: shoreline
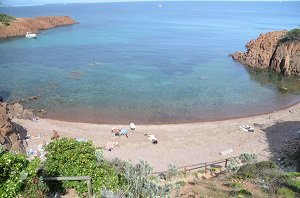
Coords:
pixel 181 144
pixel 65 118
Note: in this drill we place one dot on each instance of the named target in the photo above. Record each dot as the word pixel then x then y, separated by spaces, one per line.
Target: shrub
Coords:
pixel 6 19
pixel 140 184
pixel 172 171
pixel 236 186
pixel 291 35
pixel 232 166
pixel 19 176
pixel 265 165
pixel 68 157
pixel 244 193
pixel 247 171
pixel 285 192
pixel 248 158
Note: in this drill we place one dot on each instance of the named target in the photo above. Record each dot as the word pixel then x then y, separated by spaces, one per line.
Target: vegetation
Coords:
pixel 285 192
pixel 6 19
pixel 68 157
pixel 19 176
pixel 292 35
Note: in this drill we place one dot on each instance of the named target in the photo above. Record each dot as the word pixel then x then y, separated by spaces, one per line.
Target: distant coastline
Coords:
pixel 20 26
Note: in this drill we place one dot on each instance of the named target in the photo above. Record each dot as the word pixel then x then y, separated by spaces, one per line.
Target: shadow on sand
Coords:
pixel 279 135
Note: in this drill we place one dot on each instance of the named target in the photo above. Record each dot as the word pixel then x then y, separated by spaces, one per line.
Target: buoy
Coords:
pixel 132 126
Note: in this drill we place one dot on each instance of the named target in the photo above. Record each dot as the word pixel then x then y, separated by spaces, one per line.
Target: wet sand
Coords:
pixel 180 144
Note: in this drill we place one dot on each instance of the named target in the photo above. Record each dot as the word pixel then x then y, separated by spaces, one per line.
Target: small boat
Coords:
pixel 132 126
pixel 30 35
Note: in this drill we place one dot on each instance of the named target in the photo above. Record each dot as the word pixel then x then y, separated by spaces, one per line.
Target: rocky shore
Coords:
pixel 268 51
pixel 21 26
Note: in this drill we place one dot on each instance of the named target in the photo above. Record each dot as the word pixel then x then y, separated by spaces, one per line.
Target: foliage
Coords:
pixel 285 192
pixel 265 165
pixel 232 165
pixel 172 171
pixel 18 176
pixel 68 157
pixel 140 184
pixel 292 35
pixel 249 171
pixel 6 19
pixel 244 193
pixel 236 186
pixel 248 158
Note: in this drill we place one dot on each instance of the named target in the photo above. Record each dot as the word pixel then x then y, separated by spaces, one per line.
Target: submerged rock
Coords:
pixel 269 52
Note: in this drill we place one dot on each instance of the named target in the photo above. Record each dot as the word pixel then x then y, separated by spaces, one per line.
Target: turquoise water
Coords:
pixel 148 64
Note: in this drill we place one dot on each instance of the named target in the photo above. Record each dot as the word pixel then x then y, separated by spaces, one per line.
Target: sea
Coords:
pixel 147 62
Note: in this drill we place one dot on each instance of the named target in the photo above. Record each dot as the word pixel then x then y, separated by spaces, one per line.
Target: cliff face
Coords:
pixel 267 52
pixel 20 26
pixel 12 134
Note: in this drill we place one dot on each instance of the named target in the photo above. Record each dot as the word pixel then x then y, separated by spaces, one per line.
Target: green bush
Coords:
pixel 236 185
pixel 6 19
pixel 68 157
pixel 244 193
pixel 291 35
pixel 248 158
pixel 247 171
pixel 285 192
pixel 140 184
pixel 19 176
pixel 266 165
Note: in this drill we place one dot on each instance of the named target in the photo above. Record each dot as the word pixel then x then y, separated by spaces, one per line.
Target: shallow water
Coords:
pixel 149 64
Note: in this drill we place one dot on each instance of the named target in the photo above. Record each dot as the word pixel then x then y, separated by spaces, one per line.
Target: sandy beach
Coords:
pixel 180 144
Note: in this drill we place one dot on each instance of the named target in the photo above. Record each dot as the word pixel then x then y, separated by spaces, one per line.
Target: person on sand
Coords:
pixel 55 135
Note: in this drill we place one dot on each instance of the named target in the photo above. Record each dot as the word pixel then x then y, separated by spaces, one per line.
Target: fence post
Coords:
pixel 89 184
pixel 205 167
pixel 226 162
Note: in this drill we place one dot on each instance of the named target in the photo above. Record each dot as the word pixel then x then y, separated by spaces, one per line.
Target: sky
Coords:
pixel 38 2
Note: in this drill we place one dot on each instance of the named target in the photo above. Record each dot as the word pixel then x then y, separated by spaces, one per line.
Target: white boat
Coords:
pixel 30 35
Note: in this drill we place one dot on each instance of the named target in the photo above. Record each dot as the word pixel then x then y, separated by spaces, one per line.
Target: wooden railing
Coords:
pixel 204 165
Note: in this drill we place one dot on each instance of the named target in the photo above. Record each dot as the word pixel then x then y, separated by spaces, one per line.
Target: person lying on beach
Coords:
pixel 120 132
pixel 111 145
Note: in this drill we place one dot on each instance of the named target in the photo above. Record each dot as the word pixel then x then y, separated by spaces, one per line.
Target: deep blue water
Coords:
pixel 145 63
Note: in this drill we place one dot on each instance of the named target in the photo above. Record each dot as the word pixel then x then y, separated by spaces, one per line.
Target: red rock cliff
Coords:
pixel 267 52
pixel 20 26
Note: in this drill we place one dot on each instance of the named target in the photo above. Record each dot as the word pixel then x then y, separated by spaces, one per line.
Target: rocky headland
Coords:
pixel 274 51
pixel 20 26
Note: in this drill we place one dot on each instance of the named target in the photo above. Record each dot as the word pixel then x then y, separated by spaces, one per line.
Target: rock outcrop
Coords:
pixel 21 26
pixel 268 52
pixel 10 134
